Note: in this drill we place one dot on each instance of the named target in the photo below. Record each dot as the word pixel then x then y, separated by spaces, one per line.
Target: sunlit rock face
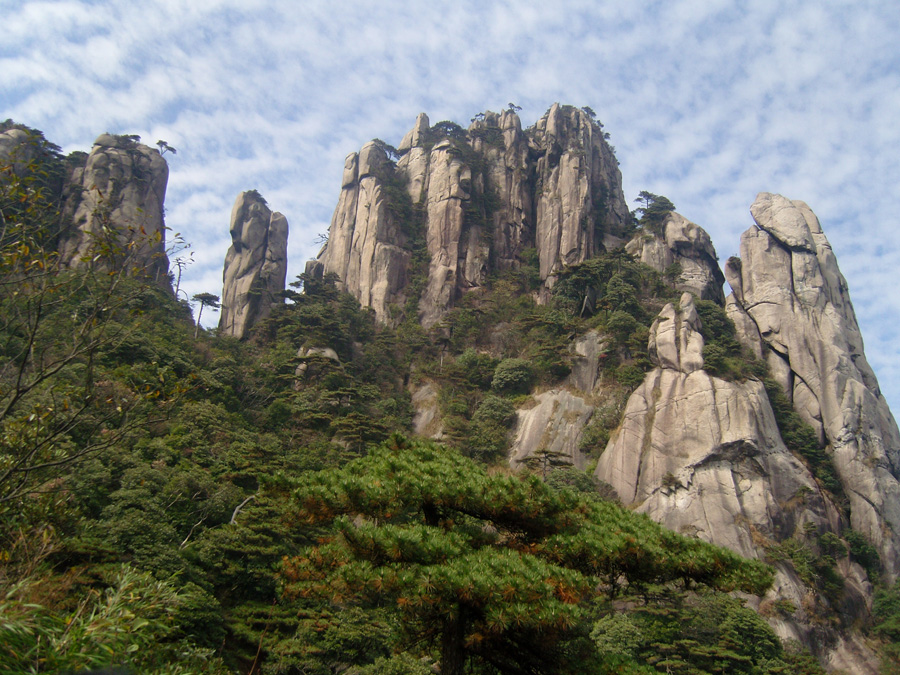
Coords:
pixel 704 456
pixel 367 247
pixel 458 204
pixel 789 293
pixel 115 204
pixel 683 252
pixel 255 265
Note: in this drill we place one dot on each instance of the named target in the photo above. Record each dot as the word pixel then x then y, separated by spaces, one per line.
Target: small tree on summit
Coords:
pixel 654 210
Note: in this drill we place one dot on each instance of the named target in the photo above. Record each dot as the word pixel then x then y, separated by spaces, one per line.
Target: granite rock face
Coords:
pixel 578 197
pixel 688 246
pixel 552 428
pixel 121 188
pixel 789 293
pixel 477 199
pixel 255 265
pixel 367 247
pixel 704 456
pixel 18 148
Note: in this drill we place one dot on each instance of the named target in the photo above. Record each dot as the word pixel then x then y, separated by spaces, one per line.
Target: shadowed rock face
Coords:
pixel 477 198
pixel 121 187
pixel 789 294
pixel 255 265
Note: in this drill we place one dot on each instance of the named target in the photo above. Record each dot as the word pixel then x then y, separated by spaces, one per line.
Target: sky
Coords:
pixel 707 103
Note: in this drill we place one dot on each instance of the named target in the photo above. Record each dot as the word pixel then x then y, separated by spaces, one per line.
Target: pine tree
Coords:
pixel 491 568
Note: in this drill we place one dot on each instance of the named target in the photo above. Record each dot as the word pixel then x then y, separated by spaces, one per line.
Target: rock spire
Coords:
pixel 255 265
pixel 458 204
pixel 120 189
pixel 790 302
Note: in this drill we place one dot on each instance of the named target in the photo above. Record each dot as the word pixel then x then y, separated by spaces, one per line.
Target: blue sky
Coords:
pixel 707 103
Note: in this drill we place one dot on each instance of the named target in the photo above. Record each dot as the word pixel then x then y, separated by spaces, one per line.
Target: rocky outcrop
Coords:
pixel 255 265
pixel 578 195
pixel 367 247
pixel 789 293
pixel 551 430
pixel 704 456
pixel 476 200
pixel 505 147
pixel 116 202
pixel 18 148
pixel 682 250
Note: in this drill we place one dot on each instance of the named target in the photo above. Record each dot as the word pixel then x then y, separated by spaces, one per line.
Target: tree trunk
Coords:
pixel 453 656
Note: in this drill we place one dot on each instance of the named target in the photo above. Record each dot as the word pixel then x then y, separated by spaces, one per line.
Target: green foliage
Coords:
pixel 863 552
pixel 886 612
pixel 63 396
pixel 129 624
pixel 723 354
pixel 886 626
pixel 817 572
pixel 513 376
pixel 801 439
pixel 654 211
pixel 701 635
pixel 482 566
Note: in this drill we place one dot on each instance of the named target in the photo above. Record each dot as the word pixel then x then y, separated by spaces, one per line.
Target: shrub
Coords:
pixel 513 376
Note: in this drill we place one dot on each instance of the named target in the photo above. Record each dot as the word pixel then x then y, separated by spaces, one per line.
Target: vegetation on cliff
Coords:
pixel 180 502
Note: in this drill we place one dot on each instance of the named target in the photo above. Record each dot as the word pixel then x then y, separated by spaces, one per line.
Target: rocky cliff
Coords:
pixel 459 204
pixel 116 199
pixel 790 297
pixel 255 264
pixel 701 450
pixel 682 251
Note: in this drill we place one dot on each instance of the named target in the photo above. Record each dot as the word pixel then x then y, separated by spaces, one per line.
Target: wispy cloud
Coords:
pixel 707 103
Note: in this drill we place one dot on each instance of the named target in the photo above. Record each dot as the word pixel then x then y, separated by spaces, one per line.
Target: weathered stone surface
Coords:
pixel 789 285
pixel 427 417
pixel 704 456
pixel 587 350
pixel 578 189
pixel 675 339
pixel 554 426
pixel 122 186
pixel 556 186
pixel 500 139
pixel 366 244
pixel 18 148
pixel 415 136
pixel 255 265
pixel 688 245
pixel 456 258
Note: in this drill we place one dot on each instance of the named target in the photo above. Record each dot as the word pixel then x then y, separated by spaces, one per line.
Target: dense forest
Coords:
pixel 173 501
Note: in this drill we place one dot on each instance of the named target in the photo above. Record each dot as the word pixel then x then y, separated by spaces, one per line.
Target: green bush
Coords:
pixel 513 376
pixel 495 409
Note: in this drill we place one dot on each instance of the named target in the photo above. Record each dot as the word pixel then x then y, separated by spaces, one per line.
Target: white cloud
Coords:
pixel 708 103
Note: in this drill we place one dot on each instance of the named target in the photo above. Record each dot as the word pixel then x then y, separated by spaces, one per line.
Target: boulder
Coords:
pixel 688 246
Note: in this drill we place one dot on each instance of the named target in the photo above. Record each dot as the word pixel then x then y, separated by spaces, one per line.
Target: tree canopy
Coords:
pixel 483 566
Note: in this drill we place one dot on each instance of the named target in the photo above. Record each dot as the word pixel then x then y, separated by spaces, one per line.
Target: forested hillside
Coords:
pixel 177 501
